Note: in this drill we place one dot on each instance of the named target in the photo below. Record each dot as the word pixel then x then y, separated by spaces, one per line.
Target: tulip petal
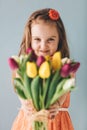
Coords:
pixel 74 67
pixel 44 70
pixel 56 60
pixel 31 69
pixel 40 60
pixel 65 70
pixel 29 50
pixel 69 83
pixel 12 63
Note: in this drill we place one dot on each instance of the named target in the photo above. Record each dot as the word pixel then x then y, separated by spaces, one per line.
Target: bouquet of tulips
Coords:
pixel 43 79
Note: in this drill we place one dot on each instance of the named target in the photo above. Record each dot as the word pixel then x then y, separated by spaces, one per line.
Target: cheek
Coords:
pixel 54 47
pixel 34 46
pixel 53 50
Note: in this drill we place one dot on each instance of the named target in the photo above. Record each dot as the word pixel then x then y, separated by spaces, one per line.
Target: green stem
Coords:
pixel 43 105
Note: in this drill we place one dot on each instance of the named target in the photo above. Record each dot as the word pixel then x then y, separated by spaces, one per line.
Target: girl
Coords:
pixel 45 33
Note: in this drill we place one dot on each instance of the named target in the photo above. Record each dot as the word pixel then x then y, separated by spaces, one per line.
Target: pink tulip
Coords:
pixel 13 64
pixel 40 60
pixel 65 70
pixel 29 50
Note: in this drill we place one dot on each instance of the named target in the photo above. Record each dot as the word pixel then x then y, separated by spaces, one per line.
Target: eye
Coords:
pixel 37 39
pixel 50 39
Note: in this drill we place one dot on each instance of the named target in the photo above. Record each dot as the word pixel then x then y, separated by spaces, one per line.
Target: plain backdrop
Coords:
pixel 13 16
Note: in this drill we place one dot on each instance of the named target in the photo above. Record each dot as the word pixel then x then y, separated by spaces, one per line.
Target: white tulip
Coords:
pixel 69 83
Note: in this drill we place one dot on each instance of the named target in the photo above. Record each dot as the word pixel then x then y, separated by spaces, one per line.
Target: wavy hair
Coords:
pixel 43 14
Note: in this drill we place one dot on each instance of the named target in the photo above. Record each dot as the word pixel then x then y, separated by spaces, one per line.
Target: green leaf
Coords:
pixel 27 85
pixel 35 91
pixel 55 80
pixel 20 73
pixel 26 58
pixel 20 92
pixel 18 83
pixel 46 88
pixel 59 89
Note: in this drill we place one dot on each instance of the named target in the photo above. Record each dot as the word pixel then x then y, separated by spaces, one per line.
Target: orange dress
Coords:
pixel 61 121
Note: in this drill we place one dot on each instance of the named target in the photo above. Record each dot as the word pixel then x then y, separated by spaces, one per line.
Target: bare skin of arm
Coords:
pixel 53 110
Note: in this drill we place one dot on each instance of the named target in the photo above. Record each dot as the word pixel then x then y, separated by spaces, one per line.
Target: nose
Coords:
pixel 43 45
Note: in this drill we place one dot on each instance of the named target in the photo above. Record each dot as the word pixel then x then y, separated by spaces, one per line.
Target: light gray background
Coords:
pixel 13 16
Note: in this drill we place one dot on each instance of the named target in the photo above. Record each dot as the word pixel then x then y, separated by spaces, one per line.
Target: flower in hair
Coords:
pixel 53 14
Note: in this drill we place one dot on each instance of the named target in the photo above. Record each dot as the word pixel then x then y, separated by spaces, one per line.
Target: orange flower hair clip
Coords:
pixel 53 14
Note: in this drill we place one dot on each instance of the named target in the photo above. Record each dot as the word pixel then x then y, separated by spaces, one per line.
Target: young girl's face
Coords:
pixel 44 38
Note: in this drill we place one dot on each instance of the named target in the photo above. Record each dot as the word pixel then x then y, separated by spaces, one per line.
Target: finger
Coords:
pixel 52 115
pixel 53 110
pixel 55 105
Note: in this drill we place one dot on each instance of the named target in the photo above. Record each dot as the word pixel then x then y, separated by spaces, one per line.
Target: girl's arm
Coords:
pixel 53 110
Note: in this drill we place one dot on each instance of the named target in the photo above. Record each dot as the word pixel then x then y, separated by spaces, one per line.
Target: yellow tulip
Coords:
pixel 56 60
pixel 44 70
pixel 31 69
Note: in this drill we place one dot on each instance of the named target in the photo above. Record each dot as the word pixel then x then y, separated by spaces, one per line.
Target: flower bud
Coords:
pixel 64 60
pixel 65 70
pixel 40 60
pixel 31 69
pixel 33 57
pixel 44 70
pixel 56 61
pixel 29 50
pixel 13 64
pixel 69 84
pixel 16 58
pixel 74 67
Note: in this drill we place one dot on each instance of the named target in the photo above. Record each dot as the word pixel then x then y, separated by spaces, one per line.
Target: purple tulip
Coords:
pixel 65 70
pixel 13 64
pixel 40 60
pixel 74 67
pixel 69 68
pixel 33 57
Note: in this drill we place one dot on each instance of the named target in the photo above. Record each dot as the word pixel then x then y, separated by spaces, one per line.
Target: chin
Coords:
pixel 43 54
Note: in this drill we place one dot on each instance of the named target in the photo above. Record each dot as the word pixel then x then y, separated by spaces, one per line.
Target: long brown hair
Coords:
pixel 43 15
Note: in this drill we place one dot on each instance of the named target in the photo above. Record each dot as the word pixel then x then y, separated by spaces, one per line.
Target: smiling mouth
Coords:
pixel 44 52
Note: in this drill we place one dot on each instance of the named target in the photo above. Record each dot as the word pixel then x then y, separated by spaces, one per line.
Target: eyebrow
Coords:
pixel 53 36
pixel 48 37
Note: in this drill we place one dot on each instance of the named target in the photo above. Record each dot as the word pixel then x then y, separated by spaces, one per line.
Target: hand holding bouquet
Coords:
pixel 43 79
